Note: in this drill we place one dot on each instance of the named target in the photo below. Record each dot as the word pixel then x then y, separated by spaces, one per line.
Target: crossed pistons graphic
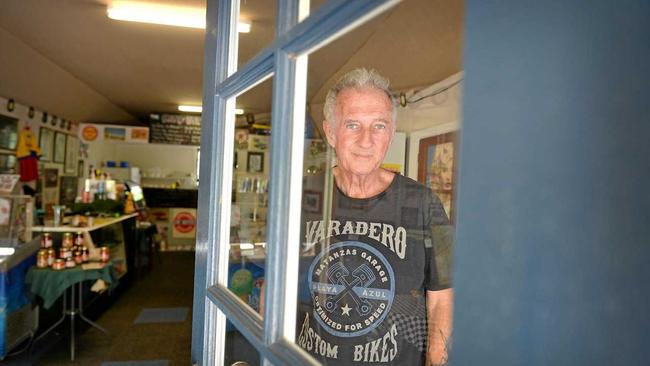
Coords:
pixel 362 277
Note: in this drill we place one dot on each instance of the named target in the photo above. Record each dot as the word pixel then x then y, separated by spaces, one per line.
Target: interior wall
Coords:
pixel 177 160
pixel 21 112
pixel 154 160
pixel 437 113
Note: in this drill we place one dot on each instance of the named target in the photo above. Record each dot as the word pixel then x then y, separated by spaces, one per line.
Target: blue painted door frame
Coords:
pixel 553 238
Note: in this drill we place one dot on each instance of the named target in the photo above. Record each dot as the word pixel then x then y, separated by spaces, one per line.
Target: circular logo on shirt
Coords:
pixel 352 287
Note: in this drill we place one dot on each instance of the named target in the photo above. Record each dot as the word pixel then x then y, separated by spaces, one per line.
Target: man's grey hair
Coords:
pixel 358 78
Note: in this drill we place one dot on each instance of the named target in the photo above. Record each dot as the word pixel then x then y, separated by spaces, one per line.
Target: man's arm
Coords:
pixel 439 318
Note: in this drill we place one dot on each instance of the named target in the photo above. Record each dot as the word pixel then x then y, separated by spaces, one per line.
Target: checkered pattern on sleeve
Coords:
pixel 412 328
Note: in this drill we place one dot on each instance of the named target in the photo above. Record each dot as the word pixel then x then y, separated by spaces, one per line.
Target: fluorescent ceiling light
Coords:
pixel 190 108
pixel 199 109
pixel 179 16
pixel 7 251
pixel 243 27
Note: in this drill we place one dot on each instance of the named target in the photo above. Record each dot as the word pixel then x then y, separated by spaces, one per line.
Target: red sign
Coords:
pixel 184 222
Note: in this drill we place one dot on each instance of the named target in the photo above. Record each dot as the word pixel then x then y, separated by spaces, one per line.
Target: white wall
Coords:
pixel 153 159
pixel 429 117
pixel 21 112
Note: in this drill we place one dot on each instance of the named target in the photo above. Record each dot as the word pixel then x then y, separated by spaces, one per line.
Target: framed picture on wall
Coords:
pixel 71 155
pixel 312 201
pixel 59 147
pixel 7 163
pixel 255 162
pixel 8 132
pixel 437 162
pixel 46 143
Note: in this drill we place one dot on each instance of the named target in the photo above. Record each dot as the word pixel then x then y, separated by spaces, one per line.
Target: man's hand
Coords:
pixel 440 306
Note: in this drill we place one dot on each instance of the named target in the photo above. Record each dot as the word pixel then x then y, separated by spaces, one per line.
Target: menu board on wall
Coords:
pixel 175 129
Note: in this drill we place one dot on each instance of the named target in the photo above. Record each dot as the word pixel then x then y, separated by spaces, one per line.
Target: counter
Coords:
pixel 174 213
pixel 18 320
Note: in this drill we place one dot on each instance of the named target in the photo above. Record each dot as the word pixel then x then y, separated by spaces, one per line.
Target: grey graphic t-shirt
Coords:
pixel 367 274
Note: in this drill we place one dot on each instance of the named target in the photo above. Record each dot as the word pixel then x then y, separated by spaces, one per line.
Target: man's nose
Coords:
pixel 365 140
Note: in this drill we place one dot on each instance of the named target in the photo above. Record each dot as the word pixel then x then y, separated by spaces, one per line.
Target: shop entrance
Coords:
pixel 298 33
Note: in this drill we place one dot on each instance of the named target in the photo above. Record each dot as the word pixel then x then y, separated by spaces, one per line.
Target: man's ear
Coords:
pixel 329 133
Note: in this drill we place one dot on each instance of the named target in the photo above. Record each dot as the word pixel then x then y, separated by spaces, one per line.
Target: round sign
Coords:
pixel 89 133
pixel 184 222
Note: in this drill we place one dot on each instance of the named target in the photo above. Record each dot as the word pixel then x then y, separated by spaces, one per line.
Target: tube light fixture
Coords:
pixel 4 251
pixel 179 16
pixel 199 109
pixel 190 108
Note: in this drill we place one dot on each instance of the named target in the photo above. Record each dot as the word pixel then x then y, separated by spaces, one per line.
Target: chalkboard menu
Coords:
pixel 177 129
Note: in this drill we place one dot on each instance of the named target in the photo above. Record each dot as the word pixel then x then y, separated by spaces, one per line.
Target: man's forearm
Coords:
pixel 439 317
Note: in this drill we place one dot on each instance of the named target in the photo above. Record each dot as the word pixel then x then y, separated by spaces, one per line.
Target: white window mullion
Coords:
pixel 217 130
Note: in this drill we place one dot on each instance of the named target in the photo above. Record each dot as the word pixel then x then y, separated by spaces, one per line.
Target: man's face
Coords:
pixel 363 129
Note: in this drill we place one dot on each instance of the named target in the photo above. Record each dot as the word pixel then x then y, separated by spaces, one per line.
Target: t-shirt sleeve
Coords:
pixel 438 246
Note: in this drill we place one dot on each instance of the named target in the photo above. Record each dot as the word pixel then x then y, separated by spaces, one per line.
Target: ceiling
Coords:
pixel 67 57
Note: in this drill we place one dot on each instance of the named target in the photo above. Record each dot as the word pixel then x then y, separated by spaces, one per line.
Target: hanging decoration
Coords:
pixel 11 105
pixel 31 112
pixel 54 120
pixel 402 100
pixel 44 118
pixel 416 98
pixel 62 124
pixel 69 125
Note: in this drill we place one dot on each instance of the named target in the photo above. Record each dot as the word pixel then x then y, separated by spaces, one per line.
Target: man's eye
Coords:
pixel 352 126
pixel 380 126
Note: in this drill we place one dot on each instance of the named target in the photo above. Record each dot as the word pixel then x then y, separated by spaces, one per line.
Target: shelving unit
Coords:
pixel 250 191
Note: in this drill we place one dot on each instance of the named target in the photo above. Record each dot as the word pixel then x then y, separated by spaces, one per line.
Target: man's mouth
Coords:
pixel 363 155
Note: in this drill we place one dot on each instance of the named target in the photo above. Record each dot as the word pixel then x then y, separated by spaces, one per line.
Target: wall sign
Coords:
pixel 177 129
pixel 183 223
pixel 89 132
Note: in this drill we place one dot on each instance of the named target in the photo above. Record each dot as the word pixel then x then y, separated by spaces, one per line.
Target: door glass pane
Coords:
pixel 238 350
pixel 251 165
pixel 373 239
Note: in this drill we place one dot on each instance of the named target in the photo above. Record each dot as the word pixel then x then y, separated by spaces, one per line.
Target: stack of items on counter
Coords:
pixel 72 252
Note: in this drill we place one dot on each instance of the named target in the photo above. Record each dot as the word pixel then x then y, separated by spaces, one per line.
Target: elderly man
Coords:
pixel 379 287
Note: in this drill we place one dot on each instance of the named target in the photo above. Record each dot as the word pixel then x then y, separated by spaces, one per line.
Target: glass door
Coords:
pixel 276 207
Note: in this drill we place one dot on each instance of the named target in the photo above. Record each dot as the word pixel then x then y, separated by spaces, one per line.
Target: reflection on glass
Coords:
pixel 238 351
pixel 250 195
pixel 376 250
pixel 261 16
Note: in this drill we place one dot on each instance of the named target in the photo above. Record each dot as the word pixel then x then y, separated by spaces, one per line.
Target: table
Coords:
pixel 51 284
pixel 118 252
